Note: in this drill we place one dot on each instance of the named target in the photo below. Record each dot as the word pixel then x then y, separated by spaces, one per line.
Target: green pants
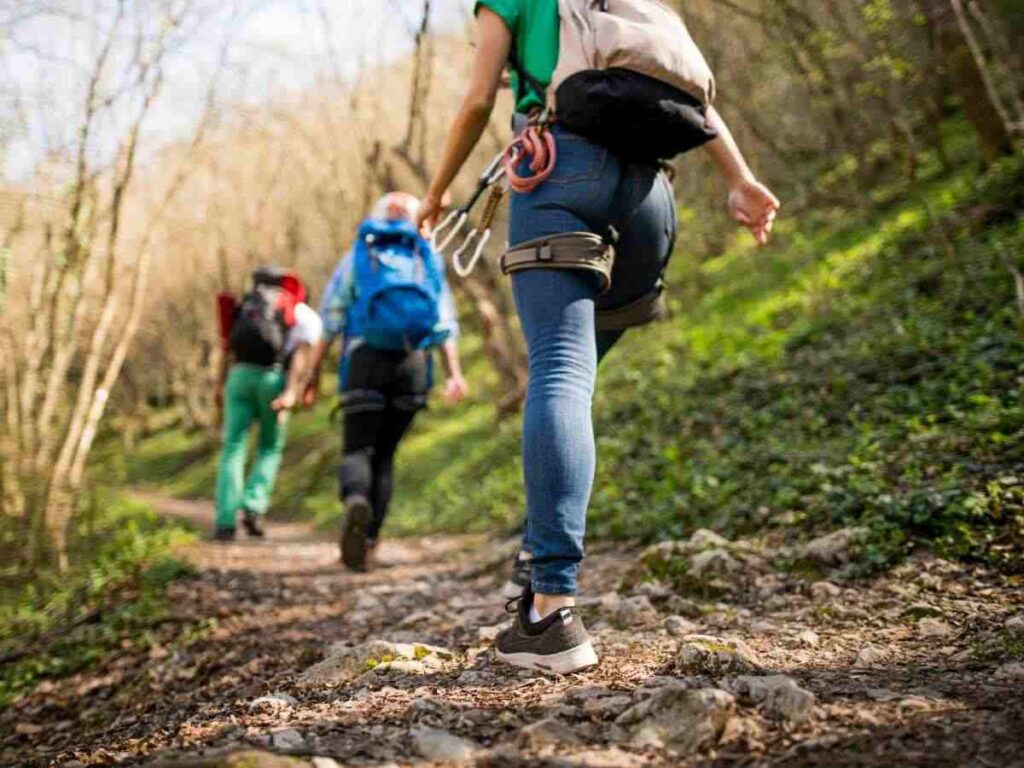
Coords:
pixel 247 397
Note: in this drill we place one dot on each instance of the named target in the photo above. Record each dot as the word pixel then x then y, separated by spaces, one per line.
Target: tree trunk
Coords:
pixel 961 69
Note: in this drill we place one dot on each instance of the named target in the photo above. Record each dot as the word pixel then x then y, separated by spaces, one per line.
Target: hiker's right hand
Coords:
pixel 455 389
pixel 430 211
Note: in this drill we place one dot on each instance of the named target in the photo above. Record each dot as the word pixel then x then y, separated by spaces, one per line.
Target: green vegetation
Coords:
pixel 114 594
pixel 866 369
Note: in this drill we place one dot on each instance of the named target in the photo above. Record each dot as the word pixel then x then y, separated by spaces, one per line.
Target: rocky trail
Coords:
pixel 710 655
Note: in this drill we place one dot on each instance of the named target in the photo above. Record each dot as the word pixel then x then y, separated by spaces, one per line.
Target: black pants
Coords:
pixel 383 393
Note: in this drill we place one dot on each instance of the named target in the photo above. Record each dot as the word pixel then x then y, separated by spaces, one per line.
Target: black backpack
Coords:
pixel 262 321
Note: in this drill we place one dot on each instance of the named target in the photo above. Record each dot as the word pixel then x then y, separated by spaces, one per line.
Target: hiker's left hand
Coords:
pixel 754 206
pixel 455 389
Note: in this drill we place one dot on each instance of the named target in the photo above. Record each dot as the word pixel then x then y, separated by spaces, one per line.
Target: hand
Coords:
pixel 430 211
pixel 284 403
pixel 312 393
pixel 455 389
pixel 754 206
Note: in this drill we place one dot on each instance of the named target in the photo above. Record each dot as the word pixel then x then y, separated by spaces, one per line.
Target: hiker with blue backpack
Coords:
pixel 605 90
pixel 389 301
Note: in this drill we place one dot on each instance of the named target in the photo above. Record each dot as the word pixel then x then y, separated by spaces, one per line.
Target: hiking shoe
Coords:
pixel 519 579
pixel 253 524
pixel 223 534
pixel 558 643
pixel 353 532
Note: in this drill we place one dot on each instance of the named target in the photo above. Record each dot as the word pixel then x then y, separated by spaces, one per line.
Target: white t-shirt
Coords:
pixel 307 329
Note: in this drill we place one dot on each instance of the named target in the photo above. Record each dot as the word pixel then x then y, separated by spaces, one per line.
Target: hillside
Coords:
pixel 866 369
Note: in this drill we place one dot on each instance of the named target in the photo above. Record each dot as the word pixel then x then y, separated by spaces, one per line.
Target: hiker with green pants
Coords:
pixel 269 339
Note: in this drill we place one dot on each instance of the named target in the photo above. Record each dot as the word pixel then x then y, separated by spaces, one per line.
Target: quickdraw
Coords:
pixel 535 143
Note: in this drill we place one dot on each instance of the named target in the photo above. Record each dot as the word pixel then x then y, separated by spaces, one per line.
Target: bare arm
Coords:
pixel 298 377
pixel 750 202
pixel 456 387
pixel 494 41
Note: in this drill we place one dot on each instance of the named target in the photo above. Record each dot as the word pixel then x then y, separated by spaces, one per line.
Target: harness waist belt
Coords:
pixel 648 308
pixel 574 250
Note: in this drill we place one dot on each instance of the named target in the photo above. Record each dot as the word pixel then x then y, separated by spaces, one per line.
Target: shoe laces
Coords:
pixel 512 606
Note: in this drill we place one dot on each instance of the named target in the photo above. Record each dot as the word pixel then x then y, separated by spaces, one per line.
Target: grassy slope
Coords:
pixel 864 368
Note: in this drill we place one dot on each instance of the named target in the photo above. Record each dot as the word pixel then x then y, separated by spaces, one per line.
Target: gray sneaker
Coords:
pixel 353 532
pixel 558 643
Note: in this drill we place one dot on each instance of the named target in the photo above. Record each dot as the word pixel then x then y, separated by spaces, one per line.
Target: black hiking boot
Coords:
pixel 518 579
pixel 557 644
pixel 354 529
pixel 253 524
pixel 223 534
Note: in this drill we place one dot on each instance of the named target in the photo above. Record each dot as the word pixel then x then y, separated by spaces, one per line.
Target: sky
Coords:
pixel 277 47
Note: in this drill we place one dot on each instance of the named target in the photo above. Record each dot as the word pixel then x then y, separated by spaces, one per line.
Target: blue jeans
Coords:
pixel 589 191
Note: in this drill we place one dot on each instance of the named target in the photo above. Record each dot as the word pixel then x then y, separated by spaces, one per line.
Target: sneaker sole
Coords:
pixel 563 663
pixel 353 535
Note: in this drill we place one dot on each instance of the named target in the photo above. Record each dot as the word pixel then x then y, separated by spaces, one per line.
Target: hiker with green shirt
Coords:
pixel 268 342
pixel 605 91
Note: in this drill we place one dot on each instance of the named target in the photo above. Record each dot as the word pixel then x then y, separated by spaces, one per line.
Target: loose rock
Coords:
pixel 833 549
pixel 869 656
pixel 703 654
pixel 441 746
pixel 1015 625
pixel 1013 671
pixel 824 590
pixel 677 626
pixel 927 628
pixel 779 695
pixel 344 663
pixel 808 638
pixel 679 718
pixel 289 740
pixel 274 701
pixel 712 564
pixel 544 732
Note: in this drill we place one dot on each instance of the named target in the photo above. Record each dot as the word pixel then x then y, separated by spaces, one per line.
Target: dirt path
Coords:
pixel 869 682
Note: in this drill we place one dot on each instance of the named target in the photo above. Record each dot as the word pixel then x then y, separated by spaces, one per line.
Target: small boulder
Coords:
pixel 869 655
pixel 824 590
pixel 1012 672
pixel 1015 625
pixel 706 655
pixel 441 746
pixel 546 732
pixel 808 638
pixel 703 539
pixel 678 718
pixel 779 695
pixel 289 741
pixel 929 628
pixel 346 663
pixel 611 706
pixel 713 564
pixel 273 702
pixel 833 549
pixel 677 626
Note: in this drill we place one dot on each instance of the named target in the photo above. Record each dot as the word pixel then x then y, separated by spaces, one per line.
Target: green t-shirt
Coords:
pixel 534 28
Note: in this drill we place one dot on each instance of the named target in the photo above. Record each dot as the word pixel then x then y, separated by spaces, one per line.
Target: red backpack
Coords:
pixel 255 329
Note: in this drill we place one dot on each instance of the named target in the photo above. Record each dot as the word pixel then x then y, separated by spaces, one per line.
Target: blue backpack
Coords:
pixel 398 286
